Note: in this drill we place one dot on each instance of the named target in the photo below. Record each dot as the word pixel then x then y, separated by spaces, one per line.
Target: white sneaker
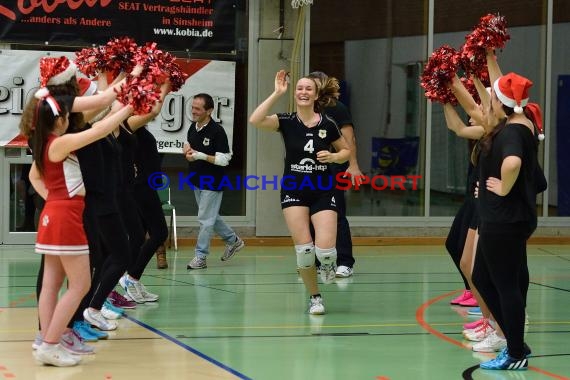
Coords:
pixel 480 333
pixel 54 354
pixel 316 306
pixel 37 341
pixel 492 343
pixel 109 314
pixel 147 296
pixel 95 318
pixel 131 289
pixel 343 271
pixel 328 273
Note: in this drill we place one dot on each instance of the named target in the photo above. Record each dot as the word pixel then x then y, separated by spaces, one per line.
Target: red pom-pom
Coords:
pixel 141 93
pixel 90 61
pixel 119 55
pixel 490 33
pixel 439 71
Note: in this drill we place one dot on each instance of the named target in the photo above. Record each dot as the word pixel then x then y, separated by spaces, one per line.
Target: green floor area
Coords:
pixel 391 320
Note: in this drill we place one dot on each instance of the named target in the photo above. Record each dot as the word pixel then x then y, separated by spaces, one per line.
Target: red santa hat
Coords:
pixel 512 91
pixel 534 113
pixel 56 71
pixel 86 86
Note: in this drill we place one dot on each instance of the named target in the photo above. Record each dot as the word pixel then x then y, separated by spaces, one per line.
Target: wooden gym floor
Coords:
pixel 246 319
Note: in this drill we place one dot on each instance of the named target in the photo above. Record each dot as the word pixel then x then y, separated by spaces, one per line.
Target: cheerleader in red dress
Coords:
pixel 56 176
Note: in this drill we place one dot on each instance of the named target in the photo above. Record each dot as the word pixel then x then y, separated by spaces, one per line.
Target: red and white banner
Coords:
pixel 19 80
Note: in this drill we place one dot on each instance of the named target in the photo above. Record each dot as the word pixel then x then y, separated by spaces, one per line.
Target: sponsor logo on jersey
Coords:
pixel 289 199
pixel 308 165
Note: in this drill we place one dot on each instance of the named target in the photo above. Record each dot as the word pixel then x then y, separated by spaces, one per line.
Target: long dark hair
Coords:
pixel 487 141
pixel 76 120
pixel 45 124
pixel 69 88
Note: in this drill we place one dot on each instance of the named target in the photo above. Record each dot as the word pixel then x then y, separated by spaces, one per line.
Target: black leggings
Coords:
pixel 457 236
pixel 501 276
pixel 133 223
pixel 154 223
pixel 114 242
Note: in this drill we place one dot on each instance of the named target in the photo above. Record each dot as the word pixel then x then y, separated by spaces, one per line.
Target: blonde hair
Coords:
pixel 327 90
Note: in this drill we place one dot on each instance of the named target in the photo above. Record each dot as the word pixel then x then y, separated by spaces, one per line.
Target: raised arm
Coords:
pixel 260 118
pixel 67 143
pixel 104 98
pixel 493 66
pixel 466 100
pixel 455 124
pixel 482 92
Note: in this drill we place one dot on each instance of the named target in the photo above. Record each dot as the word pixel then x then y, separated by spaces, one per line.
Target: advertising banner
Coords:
pixel 19 80
pixel 193 25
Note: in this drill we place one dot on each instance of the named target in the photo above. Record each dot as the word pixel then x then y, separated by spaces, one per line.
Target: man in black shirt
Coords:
pixel 208 152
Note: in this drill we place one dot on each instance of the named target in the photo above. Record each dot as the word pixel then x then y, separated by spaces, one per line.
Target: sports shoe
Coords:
pixel 147 296
pixel 462 297
pixel 54 354
pixel 475 324
pixel 492 343
pixel 88 334
pixel 108 313
pixel 480 333
pixel 231 249
pixel 197 263
pixel 109 305
pixel 343 271
pixel 328 273
pixel 96 319
pixel 37 341
pixel 316 306
pixel 475 311
pixel 73 343
pixel 131 289
pixel 470 302
pixel 161 262
pixel 118 300
pixel 504 361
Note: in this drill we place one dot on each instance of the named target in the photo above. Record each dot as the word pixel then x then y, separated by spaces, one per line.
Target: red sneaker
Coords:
pixel 470 302
pixel 464 296
pixel 120 301
pixel 474 325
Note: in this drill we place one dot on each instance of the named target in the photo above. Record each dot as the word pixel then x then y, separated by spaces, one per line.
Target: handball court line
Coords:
pixel 420 312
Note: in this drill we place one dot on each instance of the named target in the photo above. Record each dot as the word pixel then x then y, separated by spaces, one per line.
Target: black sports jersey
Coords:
pixel 519 205
pixel 301 147
pixel 210 139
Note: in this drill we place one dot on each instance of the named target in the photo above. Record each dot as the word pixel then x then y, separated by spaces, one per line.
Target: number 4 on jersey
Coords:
pixel 309 146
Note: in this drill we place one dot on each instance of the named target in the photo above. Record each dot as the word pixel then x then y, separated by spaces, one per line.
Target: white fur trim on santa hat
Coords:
pixel 506 100
pixel 91 90
pixel 64 76
pixel 41 93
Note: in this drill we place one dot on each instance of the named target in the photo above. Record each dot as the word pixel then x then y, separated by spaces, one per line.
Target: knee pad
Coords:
pixel 326 256
pixel 305 255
